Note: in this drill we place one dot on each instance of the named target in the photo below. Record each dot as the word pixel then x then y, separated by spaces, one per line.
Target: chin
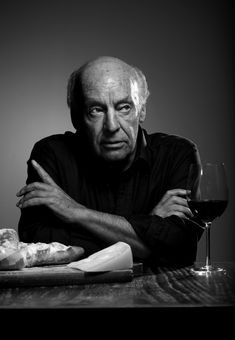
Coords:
pixel 115 156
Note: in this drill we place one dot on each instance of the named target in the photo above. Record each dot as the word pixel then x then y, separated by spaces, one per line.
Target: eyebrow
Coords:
pixel 125 100
pixel 95 102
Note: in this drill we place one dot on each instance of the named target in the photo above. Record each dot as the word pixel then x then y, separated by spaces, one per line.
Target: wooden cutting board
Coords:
pixel 63 275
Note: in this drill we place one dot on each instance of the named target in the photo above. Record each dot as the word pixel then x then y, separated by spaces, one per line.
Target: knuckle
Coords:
pixel 31 193
pixel 33 186
pixel 51 201
pixel 170 200
pixel 25 204
pixel 55 191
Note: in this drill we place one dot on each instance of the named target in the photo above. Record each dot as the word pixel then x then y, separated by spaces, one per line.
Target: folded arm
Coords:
pixel 107 227
pixel 166 233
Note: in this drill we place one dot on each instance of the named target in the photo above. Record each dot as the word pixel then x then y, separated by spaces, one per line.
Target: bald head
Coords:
pixel 104 71
pixel 104 66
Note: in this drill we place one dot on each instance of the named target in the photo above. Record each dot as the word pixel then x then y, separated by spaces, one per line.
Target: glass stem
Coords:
pixel 208 249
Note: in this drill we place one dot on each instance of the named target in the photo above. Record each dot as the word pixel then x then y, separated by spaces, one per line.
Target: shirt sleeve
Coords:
pixel 172 240
pixel 37 224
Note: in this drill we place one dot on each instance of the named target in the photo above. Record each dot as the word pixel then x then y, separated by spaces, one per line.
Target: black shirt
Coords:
pixel 161 163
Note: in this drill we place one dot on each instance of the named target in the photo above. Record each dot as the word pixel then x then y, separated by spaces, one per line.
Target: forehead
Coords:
pixel 108 79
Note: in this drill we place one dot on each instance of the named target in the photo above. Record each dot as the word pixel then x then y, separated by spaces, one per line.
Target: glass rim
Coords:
pixel 212 163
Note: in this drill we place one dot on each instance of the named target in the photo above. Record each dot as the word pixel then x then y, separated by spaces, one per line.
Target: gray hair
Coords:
pixel 75 98
pixel 143 85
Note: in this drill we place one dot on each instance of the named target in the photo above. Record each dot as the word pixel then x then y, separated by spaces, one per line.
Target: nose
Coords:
pixel 111 122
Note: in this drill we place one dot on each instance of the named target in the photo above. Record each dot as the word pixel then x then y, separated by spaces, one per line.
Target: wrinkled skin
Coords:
pixel 112 111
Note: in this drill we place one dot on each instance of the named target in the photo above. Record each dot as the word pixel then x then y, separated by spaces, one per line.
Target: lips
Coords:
pixel 112 144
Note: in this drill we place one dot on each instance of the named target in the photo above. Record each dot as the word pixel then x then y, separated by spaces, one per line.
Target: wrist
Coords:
pixel 81 215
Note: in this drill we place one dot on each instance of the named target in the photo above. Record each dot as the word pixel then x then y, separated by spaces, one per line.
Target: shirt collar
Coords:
pixel 142 152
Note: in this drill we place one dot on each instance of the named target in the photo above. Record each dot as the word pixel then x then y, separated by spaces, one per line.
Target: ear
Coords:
pixel 142 113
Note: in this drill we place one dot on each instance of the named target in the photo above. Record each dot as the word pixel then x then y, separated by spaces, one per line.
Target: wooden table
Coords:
pixel 168 290
pixel 168 287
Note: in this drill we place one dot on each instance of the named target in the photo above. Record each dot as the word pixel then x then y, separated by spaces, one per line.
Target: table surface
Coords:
pixel 167 288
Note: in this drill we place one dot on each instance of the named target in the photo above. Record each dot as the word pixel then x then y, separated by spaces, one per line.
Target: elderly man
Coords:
pixel 110 180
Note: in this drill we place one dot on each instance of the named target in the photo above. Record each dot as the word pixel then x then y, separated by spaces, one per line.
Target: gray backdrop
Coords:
pixel 184 48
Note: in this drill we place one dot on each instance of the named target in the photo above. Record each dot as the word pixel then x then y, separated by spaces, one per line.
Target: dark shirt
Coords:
pixel 161 163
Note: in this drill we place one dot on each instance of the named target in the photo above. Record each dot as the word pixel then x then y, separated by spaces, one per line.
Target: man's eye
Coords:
pixel 124 108
pixel 95 111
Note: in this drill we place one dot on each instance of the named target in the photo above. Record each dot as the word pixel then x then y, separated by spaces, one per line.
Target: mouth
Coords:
pixel 113 144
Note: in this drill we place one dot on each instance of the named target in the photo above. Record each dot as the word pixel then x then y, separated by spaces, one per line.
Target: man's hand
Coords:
pixel 48 194
pixel 173 203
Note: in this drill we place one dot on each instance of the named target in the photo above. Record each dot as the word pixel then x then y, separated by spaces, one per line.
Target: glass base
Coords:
pixel 208 269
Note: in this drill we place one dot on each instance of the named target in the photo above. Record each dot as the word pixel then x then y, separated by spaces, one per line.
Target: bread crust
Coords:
pixel 9 238
pixel 17 255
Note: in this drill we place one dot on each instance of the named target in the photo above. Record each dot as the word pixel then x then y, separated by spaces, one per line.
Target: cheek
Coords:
pixel 131 129
pixel 93 132
pixel 132 134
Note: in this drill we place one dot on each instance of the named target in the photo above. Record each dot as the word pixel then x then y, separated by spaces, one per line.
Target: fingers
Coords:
pixel 168 198
pixel 179 210
pixel 34 201
pixel 33 186
pixel 36 192
pixel 43 174
pixel 32 196
pixel 175 192
pixel 48 182
pixel 179 214
pixel 178 200
pixel 173 203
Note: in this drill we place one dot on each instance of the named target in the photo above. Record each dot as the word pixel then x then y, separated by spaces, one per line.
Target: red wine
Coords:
pixel 207 210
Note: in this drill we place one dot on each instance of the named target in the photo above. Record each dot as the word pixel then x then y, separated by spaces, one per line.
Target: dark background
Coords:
pixel 185 48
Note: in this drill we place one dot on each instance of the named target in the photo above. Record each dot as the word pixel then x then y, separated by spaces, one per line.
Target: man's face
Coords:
pixel 112 113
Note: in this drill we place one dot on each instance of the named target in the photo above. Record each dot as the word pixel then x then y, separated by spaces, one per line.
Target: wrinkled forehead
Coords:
pixel 109 77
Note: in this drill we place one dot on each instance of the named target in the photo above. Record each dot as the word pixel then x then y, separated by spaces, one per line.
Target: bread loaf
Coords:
pixel 9 238
pixel 15 254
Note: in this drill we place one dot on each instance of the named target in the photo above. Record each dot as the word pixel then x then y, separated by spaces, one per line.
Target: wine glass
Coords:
pixel 207 196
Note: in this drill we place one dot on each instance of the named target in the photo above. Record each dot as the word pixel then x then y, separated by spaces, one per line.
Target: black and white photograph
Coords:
pixel 117 159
